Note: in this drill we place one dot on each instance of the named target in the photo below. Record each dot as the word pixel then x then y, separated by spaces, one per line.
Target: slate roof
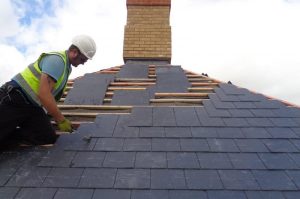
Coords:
pixel 235 144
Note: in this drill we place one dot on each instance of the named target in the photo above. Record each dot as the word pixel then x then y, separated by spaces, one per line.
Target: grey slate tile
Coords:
pixel 273 180
pixel 122 129
pixel 130 97
pixel 205 120
pixel 277 161
pixel 182 160
pixel 204 132
pixel 231 89
pixel 119 159
pixel 137 144
pixel 81 93
pixel 287 112
pixel 186 116
pixel 256 133
pixel 194 145
pixel 295 157
pixel 74 142
pixel 219 104
pixel 35 193
pixel 244 105
pixel 163 116
pixel 295 176
pixel 246 161
pixel 165 144
pixel 226 195
pixel 63 177
pixel 214 161
pixel 226 97
pixel 184 194
pixel 149 194
pixel 111 194
pixel 269 104
pixel 103 126
pixel 133 70
pixel 235 122
pixel 57 159
pixel 238 179
pixel 171 79
pixel 28 177
pixel 95 130
pixel 282 133
pixel 252 97
pixel 98 178
pixel 203 179
pixel 178 132
pixel 230 133
pixel 151 160
pixel 292 195
pixel 8 192
pixel 167 179
pixel 222 145
pixel 88 159
pixel 109 144
pixel 263 112
pixel 251 145
pixel 259 122
pixel 74 194
pixel 152 132
pixel 284 122
pixel 264 195
pixel 240 113
pixel 280 145
pixel 296 130
pixel 133 179
pixel 5 175
pixel 213 112
pixel 141 116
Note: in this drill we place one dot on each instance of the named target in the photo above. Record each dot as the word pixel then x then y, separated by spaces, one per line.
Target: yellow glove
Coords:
pixel 65 125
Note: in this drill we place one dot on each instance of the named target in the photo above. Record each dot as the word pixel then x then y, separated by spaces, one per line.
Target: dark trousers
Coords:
pixel 21 120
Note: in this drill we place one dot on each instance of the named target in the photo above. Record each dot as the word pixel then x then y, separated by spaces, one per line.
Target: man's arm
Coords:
pixel 47 99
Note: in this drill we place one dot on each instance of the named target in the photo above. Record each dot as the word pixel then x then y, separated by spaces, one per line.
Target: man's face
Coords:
pixel 78 59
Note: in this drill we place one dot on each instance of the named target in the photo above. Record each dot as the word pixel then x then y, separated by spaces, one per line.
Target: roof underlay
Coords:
pixel 154 130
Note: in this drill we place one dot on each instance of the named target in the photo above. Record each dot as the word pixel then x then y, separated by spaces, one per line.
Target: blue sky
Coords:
pixel 253 43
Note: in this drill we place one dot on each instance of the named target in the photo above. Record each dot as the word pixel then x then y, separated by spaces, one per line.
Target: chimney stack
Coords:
pixel 148 32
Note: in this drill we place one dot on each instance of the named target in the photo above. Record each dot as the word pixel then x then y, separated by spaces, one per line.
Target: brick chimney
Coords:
pixel 148 31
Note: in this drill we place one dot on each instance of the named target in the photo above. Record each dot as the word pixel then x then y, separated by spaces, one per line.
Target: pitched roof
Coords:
pixel 157 131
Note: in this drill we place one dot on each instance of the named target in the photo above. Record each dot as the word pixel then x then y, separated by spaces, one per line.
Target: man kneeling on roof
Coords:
pixel 30 96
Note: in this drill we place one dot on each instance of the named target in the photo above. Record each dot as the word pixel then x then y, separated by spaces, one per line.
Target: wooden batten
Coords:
pixel 200 89
pixel 134 80
pixel 204 84
pixel 131 83
pixel 88 114
pixel 176 100
pixel 157 95
pixel 94 107
pixel 125 88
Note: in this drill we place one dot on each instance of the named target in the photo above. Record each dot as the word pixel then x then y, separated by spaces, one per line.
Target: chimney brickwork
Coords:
pixel 148 31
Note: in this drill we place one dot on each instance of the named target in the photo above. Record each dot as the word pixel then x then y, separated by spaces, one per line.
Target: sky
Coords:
pixel 255 44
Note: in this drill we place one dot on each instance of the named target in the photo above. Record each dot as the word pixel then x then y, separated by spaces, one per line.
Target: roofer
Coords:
pixel 30 97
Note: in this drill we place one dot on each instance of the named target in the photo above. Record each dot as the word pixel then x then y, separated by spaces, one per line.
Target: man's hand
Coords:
pixel 65 125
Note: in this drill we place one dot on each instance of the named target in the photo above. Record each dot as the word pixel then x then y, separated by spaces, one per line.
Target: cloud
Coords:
pixel 8 20
pixel 104 20
pixel 254 44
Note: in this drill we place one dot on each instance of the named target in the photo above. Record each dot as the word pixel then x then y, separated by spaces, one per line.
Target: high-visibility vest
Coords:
pixel 29 79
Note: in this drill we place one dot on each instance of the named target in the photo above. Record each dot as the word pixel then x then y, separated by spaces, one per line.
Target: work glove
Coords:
pixel 65 126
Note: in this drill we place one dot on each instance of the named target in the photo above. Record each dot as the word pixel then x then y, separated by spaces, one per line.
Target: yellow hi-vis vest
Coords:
pixel 29 79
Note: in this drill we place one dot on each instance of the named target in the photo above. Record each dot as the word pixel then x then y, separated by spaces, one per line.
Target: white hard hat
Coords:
pixel 85 44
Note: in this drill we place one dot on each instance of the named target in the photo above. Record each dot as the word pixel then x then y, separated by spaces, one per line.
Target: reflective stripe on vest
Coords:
pixel 29 79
